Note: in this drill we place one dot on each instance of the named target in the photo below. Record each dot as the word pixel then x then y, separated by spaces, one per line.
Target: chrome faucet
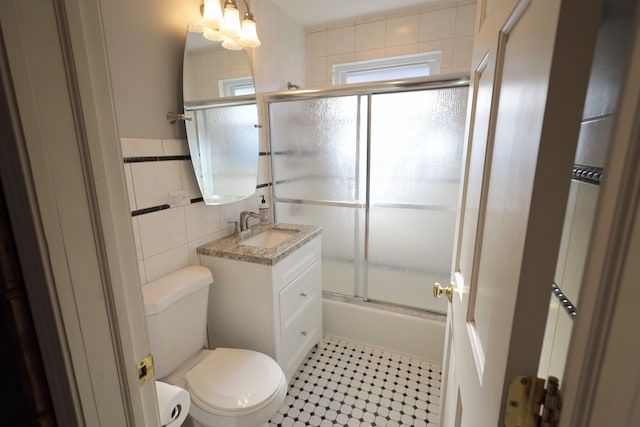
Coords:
pixel 244 219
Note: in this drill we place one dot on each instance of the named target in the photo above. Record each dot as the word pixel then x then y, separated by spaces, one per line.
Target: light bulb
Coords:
pixel 213 35
pixel 231 23
pixel 230 44
pixel 249 35
pixel 212 15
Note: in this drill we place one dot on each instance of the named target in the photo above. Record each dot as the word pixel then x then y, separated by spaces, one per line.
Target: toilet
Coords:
pixel 228 387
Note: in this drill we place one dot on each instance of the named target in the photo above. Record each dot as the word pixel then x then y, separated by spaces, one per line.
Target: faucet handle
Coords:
pixel 236 228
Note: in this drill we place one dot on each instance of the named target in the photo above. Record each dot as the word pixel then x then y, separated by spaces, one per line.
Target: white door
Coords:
pixel 527 92
pixel 67 200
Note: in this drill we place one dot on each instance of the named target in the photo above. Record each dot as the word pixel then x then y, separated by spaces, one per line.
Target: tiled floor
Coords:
pixel 346 384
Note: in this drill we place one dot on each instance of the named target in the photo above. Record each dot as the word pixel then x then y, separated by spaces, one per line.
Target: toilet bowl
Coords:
pixel 231 387
pixel 228 387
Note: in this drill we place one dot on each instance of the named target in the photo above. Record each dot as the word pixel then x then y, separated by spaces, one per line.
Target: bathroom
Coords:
pixel 305 61
pixel 168 243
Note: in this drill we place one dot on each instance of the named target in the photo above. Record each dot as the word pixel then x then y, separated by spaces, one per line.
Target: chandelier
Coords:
pixel 223 24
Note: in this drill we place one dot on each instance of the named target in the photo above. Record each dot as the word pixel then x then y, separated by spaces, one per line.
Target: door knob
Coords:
pixel 438 290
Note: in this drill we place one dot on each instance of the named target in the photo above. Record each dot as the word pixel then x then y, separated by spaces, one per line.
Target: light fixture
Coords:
pixel 223 24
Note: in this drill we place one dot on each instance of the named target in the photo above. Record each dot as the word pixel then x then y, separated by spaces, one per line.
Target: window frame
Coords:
pixel 340 73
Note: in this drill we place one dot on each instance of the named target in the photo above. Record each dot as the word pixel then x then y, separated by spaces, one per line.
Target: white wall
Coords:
pixel 447 26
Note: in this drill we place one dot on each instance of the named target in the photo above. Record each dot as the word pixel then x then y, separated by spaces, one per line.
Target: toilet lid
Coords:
pixel 234 380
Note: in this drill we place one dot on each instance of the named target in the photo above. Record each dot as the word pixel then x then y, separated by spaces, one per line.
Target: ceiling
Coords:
pixel 317 12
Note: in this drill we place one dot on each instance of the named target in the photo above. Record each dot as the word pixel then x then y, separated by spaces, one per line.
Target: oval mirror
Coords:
pixel 222 119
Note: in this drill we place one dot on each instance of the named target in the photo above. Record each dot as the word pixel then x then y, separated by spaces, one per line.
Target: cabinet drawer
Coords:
pixel 299 294
pixel 301 335
pixel 292 266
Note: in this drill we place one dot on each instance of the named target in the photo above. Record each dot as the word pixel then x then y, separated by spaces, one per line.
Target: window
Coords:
pixel 391 68
pixel 236 87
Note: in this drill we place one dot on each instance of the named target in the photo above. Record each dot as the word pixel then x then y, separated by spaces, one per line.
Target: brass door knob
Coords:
pixel 438 290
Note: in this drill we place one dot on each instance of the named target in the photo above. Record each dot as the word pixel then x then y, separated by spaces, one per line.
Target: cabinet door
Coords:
pixel 300 318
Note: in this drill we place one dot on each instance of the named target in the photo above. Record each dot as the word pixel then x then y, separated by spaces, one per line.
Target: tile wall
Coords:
pixel 167 236
pixel 598 118
pixel 281 57
pixel 446 26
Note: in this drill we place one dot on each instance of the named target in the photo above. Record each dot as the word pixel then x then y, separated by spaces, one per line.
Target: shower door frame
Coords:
pixel 446 81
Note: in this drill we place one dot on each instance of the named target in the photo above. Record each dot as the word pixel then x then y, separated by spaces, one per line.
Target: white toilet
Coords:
pixel 228 387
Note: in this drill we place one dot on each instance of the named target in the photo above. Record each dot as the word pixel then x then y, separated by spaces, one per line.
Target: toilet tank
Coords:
pixel 176 310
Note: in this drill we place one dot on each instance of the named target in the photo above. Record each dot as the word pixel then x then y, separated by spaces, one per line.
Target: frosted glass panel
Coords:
pixel 416 146
pixel 342 237
pixel 409 250
pixel 228 154
pixel 319 152
pixel 316 148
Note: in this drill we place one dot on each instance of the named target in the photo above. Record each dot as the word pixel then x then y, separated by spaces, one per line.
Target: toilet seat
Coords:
pixel 229 381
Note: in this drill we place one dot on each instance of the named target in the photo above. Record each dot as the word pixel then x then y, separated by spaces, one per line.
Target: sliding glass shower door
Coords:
pixel 380 173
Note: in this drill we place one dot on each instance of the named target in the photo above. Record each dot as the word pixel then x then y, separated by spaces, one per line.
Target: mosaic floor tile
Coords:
pixel 346 384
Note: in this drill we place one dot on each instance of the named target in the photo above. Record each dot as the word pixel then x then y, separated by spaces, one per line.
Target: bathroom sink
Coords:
pixel 268 238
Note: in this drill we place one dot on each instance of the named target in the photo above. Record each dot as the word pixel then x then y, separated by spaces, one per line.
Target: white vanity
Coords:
pixel 267 292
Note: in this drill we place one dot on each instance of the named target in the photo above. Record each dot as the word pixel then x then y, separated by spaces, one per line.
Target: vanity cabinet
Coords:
pixel 274 309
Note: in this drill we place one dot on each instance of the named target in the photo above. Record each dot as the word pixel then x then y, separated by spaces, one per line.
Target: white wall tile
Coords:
pixel 264 167
pixel 317 44
pixel 408 31
pixel 341 40
pixel 188 179
pixel 364 55
pixel 591 149
pixel 175 147
pixel 136 237
pixel 561 344
pixel 581 223
pixel 139 147
pixel 194 258
pixel 445 46
pixel 371 35
pixel 465 20
pixel 340 59
pixel 317 70
pixel 166 262
pixel 462 51
pixel 404 49
pixel 438 24
pixel 201 220
pixel 403 30
pixel 130 189
pixel 549 335
pixel 142 273
pixel 231 212
pixel 152 182
pixel 162 230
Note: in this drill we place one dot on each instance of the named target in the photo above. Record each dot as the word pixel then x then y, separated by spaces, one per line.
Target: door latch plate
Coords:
pixel 145 370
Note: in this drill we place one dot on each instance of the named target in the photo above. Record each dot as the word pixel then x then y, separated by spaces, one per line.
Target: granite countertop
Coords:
pixel 231 247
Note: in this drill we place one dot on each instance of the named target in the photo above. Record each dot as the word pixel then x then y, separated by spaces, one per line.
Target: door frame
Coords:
pixel 601 383
pixel 77 253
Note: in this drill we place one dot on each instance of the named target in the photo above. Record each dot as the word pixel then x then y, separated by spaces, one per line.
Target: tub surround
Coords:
pixel 230 247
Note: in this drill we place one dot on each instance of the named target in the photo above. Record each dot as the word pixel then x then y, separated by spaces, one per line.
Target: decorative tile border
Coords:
pixel 149 210
pixel 588 174
pixel 142 159
pixel 564 301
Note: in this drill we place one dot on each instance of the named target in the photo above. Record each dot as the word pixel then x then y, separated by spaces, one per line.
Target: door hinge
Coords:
pixel 530 404
pixel 145 370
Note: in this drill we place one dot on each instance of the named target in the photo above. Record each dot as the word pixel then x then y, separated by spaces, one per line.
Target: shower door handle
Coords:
pixel 438 290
